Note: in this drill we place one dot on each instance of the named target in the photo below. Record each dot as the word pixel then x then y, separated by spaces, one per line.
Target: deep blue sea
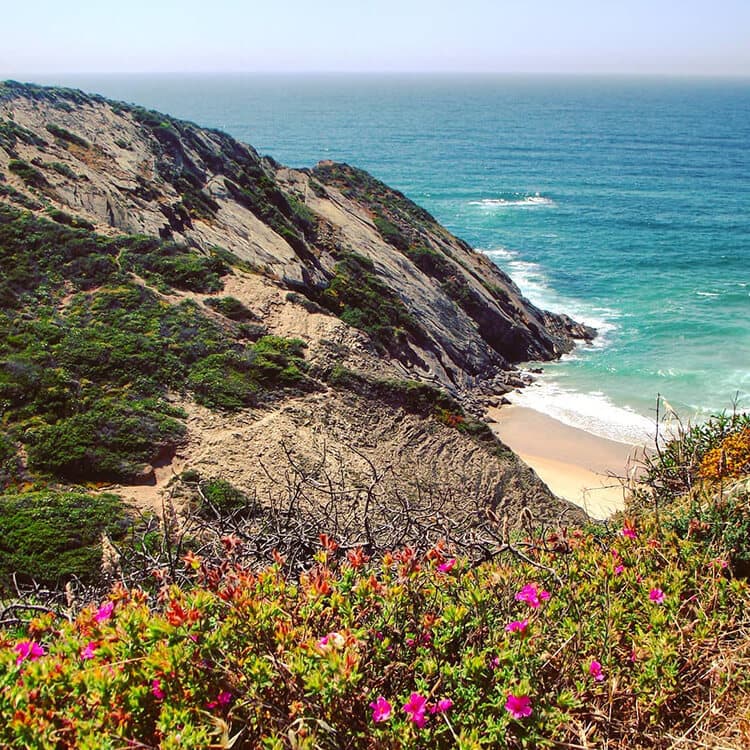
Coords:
pixel 623 202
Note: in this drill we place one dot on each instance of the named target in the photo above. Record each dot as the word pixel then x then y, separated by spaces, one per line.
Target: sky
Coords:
pixel 673 37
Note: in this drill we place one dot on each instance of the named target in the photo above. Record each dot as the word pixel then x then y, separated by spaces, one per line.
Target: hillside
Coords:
pixel 172 302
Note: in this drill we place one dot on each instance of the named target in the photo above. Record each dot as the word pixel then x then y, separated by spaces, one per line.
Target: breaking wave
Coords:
pixel 515 200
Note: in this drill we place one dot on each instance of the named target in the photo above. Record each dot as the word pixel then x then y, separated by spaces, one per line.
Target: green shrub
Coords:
pixel 11 132
pixel 230 308
pixel 51 536
pixel 224 381
pixel 174 265
pixel 431 262
pixel 69 220
pixel 31 176
pixel 675 467
pixel 63 169
pixel 20 198
pixel 111 441
pixel 362 300
pixel 391 233
pixel 66 135
pixel 9 460
pixel 218 496
pixel 233 380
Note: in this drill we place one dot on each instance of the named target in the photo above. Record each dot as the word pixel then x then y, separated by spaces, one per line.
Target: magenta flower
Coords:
pixel 104 612
pixel 531 595
pixel 381 709
pixel 443 705
pixel 656 596
pixel 447 565
pixel 224 698
pixel 629 532
pixel 30 650
pixel 159 694
pixel 517 626
pixel 595 670
pixel 619 569
pixel 89 651
pixel 495 662
pixel 518 706
pixel 416 707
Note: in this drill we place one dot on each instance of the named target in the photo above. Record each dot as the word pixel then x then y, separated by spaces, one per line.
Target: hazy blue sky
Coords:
pixel 619 36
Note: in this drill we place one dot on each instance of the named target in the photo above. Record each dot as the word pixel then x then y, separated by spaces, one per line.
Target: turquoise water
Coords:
pixel 625 203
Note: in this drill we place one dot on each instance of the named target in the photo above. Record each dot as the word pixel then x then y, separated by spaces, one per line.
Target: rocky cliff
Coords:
pixel 396 323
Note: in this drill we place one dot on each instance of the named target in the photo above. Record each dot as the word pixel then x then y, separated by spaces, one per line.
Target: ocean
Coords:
pixel 622 202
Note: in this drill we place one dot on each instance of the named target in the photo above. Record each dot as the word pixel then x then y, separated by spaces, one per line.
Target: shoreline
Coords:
pixel 576 465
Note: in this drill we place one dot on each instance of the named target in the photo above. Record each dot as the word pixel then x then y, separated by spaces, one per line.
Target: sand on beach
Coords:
pixel 588 470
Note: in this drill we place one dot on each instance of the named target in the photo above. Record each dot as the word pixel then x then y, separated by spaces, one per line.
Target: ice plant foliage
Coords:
pixel 391 653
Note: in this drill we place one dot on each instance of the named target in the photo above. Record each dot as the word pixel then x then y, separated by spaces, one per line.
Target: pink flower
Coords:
pixel 156 689
pixel 656 596
pixel 619 569
pixel 629 532
pixel 443 705
pixel 416 707
pixel 30 650
pixel 518 706
pixel 89 651
pixel 104 612
pixel 531 595
pixel 381 709
pixel 224 698
pixel 495 662
pixel 517 626
pixel 595 670
pixel 447 565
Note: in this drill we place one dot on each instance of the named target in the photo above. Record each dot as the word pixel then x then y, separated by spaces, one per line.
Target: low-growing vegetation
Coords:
pixel 52 536
pixel 359 297
pixel 30 175
pixel 629 634
pixel 65 135
pixel 83 382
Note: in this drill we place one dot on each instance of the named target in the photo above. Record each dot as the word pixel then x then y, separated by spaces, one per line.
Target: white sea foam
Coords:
pixel 535 286
pixel 707 294
pixel 592 412
pixel 519 200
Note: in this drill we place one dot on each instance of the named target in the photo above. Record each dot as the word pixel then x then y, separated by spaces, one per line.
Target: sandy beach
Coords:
pixel 575 465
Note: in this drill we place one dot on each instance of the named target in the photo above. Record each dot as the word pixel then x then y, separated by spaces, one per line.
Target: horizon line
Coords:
pixel 324 72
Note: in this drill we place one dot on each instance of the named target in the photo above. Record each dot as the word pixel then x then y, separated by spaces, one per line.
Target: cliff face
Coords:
pixel 374 288
pixel 125 169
